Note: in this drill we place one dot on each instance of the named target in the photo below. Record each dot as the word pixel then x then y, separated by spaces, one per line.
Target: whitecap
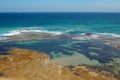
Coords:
pixel 91 36
pixel 109 34
pixel 21 32
pixel 12 33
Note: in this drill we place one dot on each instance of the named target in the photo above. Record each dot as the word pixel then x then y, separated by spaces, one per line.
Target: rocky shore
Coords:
pixel 114 42
pixel 24 64
pixel 30 36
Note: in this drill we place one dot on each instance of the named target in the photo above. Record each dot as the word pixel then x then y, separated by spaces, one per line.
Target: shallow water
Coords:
pixel 67 49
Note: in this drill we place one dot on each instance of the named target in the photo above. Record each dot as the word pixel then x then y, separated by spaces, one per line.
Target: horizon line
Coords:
pixel 59 12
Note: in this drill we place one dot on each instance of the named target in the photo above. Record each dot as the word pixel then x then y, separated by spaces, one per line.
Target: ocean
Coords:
pixel 73 23
pixel 63 34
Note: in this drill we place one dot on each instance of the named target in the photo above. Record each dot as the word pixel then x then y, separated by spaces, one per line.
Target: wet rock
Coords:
pixel 88 34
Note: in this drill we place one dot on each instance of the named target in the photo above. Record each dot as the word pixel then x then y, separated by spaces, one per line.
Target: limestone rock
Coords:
pixel 24 64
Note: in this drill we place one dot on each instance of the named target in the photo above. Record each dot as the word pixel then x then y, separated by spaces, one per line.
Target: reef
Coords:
pixel 23 64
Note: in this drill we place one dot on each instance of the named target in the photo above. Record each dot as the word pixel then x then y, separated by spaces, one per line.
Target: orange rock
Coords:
pixel 25 64
pixel 118 46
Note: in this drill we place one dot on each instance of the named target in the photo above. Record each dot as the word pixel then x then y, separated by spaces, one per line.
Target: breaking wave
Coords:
pixel 81 36
pixel 91 36
pixel 19 32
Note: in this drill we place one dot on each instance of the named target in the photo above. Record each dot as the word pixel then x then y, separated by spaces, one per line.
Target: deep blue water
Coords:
pixel 63 22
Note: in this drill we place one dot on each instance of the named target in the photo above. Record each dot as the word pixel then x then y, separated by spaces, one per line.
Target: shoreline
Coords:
pixel 114 42
pixel 27 62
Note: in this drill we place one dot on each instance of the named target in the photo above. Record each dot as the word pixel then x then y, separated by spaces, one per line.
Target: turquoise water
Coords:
pixel 72 23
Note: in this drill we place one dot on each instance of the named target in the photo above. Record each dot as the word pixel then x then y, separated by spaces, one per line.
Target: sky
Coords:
pixel 59 5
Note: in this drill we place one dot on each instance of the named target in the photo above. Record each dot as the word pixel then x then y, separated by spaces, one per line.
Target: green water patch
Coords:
pixel 93 54
pixel 95 48
pixel 57 55
pixel 70 43
pixel 75 59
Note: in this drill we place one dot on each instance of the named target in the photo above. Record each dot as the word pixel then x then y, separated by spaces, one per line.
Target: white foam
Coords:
pixel 12 33
pixel 3 38
pixel 69 30
pixel 84 36
pixel 109 34
pixel 18 32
